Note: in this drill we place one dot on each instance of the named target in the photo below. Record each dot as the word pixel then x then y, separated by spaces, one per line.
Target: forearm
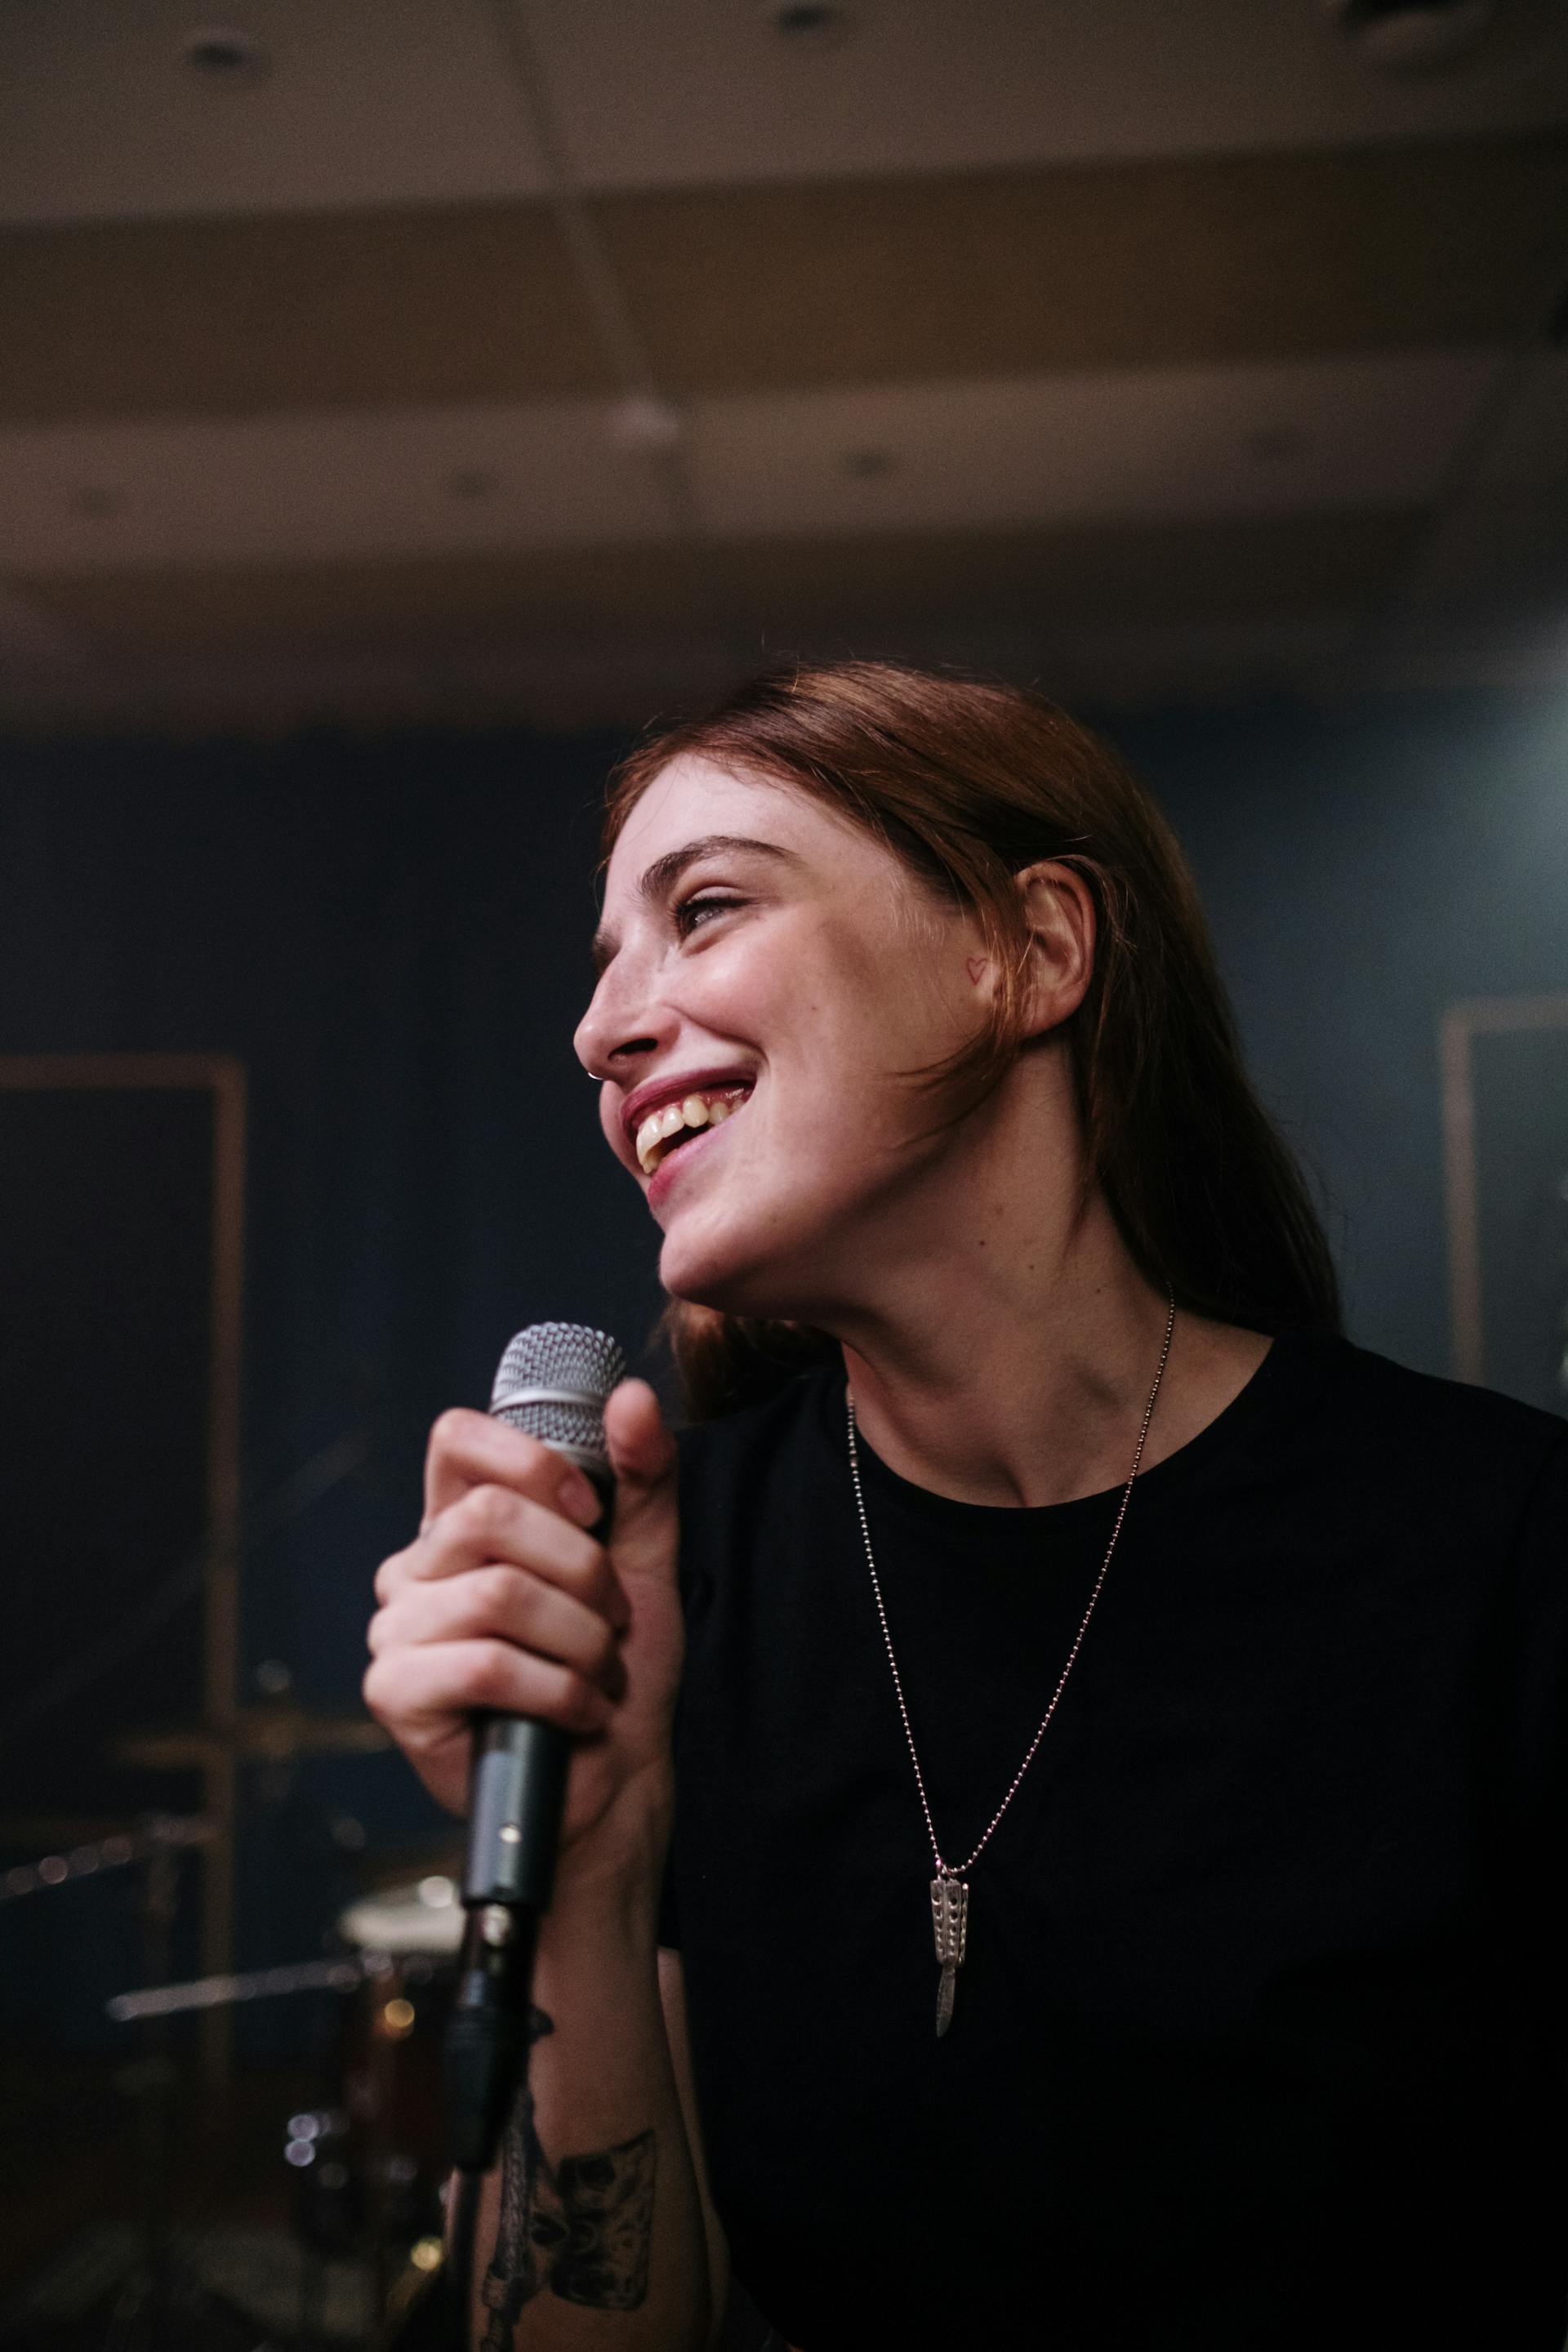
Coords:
pixel 591 2229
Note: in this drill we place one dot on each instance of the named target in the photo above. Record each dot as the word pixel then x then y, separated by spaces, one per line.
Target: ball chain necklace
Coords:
pixel 950 1887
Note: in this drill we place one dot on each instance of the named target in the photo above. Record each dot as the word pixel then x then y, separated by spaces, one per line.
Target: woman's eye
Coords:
pixel 690 913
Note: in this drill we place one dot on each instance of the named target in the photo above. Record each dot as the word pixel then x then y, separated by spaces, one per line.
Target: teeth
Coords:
pixel 660 1125
pixel 648 1141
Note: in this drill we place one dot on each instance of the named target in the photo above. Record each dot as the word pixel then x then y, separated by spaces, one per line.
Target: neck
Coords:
pixel 1020 1408
pixel 1010 1360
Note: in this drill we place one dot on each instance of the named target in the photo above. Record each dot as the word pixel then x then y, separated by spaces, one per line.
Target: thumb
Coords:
pixel 644 1458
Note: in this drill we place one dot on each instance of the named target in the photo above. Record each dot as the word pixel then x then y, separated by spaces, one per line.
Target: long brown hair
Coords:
pixel 968 782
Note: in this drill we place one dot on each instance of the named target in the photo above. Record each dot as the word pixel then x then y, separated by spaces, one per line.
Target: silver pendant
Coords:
pixel 950 1922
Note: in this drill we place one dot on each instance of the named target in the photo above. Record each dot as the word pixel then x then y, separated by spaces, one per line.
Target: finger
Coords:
pixel 472 1449
pixel 644 1458
pixel 393 1574
pixel 420 1691
pixel 493 1524
pixel 506 1604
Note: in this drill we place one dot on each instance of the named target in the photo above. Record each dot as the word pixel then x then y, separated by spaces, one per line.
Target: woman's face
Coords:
pixel 779 973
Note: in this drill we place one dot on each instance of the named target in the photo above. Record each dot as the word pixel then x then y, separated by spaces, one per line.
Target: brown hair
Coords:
pixel 968 782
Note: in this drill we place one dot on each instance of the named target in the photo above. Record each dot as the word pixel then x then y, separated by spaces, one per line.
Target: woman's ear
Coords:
pixel 1058 912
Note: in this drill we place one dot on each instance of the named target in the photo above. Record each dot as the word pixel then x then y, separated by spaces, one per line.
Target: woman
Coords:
pixel 1105 1864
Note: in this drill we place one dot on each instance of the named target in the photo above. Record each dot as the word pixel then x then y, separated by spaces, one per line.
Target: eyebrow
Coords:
pixel 665 872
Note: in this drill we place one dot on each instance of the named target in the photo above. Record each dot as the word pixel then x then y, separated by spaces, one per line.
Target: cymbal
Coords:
pixel 425 1918
pixel 263 1735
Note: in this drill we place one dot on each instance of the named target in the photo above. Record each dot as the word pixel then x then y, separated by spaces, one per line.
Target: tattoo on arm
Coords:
pixel 581 2229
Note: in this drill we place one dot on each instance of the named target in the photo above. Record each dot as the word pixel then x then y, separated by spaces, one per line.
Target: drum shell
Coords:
pixel 392 2092
pixel 378 2160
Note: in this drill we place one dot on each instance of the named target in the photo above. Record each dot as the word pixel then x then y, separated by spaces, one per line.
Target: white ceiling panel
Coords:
pixel 303 487
pixel 1134 444
pixel 708 90
pixel 362 102
pixel 404 101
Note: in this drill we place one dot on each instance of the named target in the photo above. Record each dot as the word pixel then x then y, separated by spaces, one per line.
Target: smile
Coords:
pixel 664 1132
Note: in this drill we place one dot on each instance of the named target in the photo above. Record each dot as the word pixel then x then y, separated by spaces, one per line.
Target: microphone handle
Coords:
pixel 516 1791
pixel 515 1795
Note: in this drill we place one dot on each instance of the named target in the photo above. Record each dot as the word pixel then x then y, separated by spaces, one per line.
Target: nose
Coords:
pixel 624 1024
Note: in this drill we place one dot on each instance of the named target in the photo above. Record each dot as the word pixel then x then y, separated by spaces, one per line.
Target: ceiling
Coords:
pixel 555 359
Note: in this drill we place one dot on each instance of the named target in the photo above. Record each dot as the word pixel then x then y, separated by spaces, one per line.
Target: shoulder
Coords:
pixel 733 1469
pixel 1430 1400
pixel 738 1447
pixel 1483 1424
pixel 1439 1445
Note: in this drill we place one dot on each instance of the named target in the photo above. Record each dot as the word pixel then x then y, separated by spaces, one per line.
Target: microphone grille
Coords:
pixel 552 1381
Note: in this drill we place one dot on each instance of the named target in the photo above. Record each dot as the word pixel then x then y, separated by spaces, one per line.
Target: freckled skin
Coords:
pixel 830 980
pixel 997 1334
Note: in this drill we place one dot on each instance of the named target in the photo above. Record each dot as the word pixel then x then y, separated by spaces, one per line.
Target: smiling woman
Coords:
pixel 965 786
pixel 1086 1744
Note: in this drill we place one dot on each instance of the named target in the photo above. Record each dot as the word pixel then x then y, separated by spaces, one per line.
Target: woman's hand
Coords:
pixel 503 1602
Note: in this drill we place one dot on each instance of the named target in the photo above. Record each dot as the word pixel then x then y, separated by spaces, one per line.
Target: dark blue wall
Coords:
pixel 1363 869
pixel 392 936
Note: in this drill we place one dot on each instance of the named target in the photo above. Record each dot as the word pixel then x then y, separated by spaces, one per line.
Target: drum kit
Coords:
pixel 366 2162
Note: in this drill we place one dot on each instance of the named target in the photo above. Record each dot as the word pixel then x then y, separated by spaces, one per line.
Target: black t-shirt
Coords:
pixel 1259 2037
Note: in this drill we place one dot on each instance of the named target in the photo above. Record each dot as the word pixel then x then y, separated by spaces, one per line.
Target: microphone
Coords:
pixel 552 1381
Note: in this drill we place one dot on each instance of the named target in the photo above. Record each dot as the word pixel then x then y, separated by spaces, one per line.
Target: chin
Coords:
pixel 722 1273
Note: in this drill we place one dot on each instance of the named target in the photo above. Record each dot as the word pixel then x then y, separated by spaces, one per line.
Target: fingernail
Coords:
pixel 578 1499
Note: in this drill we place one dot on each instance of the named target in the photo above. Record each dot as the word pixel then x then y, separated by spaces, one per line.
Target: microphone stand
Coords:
pixel 156 2070
pixel 150 2080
